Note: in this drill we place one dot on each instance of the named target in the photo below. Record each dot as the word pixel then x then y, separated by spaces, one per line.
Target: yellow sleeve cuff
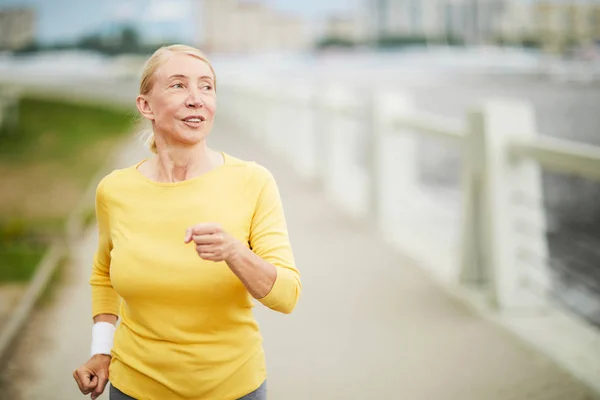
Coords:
pixel 285 291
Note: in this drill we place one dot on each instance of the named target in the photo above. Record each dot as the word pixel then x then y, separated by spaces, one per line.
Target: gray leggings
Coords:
pixel 258 394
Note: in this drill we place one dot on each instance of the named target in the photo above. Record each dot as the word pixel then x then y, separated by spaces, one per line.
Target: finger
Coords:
pixel 207 248
pixel 207 255
pixel 78 381
pixel 206 228
pixel 207 239
pixel 188 235
pixel 85 381
pixel 102 380
pixel 93 384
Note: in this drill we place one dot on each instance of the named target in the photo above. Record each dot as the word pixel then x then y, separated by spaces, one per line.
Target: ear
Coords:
pixel 144 107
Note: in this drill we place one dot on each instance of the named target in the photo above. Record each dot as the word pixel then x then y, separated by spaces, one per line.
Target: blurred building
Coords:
pixel 342 28
pixel 387 18
pixel 562 24
pixel 234 26
pixel 17 28
pixel 555 24
pixel 471 21
pixel 518 22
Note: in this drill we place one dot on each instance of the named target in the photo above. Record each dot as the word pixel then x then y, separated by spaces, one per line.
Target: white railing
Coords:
pixel 487 236
pixel 363 149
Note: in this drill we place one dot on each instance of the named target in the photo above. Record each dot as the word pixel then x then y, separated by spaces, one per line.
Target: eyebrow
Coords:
pixel 186 77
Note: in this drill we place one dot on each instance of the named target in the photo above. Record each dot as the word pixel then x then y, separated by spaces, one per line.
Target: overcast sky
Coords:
pixel 60 20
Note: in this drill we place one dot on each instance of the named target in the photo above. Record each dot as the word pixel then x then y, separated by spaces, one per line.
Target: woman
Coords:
pixel 185 238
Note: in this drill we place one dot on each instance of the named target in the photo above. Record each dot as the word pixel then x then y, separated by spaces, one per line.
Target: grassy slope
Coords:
pixel 44 170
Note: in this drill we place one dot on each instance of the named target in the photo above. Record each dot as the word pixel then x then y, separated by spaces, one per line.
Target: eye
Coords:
pixel 177 85
pixel 207 87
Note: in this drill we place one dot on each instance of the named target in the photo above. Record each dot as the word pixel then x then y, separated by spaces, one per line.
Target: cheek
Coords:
pixel 211 106
pixel 165 110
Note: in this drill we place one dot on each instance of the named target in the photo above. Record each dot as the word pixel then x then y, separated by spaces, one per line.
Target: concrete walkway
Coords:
pixel 370 324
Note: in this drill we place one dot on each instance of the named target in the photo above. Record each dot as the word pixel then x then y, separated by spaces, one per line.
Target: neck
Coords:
pixel 176 164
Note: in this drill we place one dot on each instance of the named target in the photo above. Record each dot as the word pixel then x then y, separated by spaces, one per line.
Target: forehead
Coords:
pixel 184 64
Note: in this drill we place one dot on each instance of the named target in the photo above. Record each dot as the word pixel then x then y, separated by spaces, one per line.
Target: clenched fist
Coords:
pixel 212 242
pixel 92 376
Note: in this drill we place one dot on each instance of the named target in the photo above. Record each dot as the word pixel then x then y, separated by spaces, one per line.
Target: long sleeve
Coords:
pixel 269 240
pixel 105 299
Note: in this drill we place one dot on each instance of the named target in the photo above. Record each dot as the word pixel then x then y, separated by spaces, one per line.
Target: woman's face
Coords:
pixel 182 102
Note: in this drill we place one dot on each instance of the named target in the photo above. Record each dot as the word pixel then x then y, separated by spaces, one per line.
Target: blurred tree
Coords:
pixel 30 48
pixel 123 39
pixel 130 40
pixel 328 42
pixel 531 42
pixel 393 41
pixel 90 42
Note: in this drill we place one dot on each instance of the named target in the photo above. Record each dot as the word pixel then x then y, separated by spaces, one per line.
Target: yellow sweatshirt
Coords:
pixel 186 328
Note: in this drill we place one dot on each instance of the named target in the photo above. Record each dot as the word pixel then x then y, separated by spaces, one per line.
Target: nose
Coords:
pixel 194 100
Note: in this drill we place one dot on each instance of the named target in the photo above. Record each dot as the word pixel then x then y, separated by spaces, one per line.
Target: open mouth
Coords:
pixel 194 120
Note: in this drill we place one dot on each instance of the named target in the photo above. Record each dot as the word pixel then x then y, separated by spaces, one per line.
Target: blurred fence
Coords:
pixel 488 235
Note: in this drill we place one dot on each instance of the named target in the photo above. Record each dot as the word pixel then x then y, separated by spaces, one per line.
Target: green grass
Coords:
pixel 22 247
pixel 19 260
pixel 56 130
pixel 58 148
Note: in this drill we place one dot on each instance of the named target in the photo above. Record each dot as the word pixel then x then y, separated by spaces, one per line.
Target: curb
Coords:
pixel 40 280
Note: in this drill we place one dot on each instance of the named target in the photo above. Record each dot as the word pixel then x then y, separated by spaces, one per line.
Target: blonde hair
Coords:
pixel 158 59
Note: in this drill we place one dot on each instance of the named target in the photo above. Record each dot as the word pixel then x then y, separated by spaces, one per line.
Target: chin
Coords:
pixel 192 140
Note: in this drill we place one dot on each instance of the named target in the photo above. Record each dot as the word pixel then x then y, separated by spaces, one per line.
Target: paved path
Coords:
pixel 370 324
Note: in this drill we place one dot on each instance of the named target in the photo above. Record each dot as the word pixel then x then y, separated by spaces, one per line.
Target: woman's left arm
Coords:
pixel 268 268
pixel 256 274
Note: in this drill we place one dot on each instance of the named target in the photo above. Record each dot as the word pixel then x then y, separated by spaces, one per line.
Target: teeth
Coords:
pixel 193 120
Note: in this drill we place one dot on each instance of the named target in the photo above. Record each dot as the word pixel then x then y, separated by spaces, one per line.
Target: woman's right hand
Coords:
pixel 92 376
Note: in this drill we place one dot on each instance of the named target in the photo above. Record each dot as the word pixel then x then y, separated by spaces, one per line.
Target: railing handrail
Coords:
pixel 432 124
pixel 560 155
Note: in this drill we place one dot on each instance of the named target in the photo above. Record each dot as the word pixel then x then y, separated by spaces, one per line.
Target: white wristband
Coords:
pixel 102 338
